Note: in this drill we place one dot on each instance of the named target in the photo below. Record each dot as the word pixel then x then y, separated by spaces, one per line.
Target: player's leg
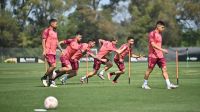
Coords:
pixel 151 64
pixel 52 65
pixel 96 67
pixel 121 70
pixel 162 65
pixel 118 74
pixel 73 72
pixel 66 68
pixel 107 67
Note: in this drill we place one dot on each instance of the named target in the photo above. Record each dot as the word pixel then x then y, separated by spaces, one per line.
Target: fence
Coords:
pixel 185 54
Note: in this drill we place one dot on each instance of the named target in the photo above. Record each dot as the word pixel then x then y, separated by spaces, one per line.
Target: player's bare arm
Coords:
pixel 101 42
pixel 59 46
pixel 43 46
pixel 91 54
pixel 135 56
pixel 121 50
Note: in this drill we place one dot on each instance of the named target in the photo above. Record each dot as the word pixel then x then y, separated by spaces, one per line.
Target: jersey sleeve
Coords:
pixel 89 51
pixel 75 45
pixel 113 48
pixel 68 41
pixel 151 37
pixel 45 34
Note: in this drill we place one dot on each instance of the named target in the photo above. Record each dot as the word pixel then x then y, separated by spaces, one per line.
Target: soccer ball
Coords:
pixel 50 102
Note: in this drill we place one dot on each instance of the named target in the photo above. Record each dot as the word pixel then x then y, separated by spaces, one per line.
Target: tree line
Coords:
pixel 22 21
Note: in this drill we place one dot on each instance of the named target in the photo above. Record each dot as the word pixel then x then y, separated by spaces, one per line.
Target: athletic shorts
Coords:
pixel 64 62
pixel 51 59
pixel 119 64
pixel 97 64
pixel 161 62
pixel 74 64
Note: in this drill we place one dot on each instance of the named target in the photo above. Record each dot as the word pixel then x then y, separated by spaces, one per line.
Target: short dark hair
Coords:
pixel 91 40
pixel 129 38
pixel 160 23
pixel 78 33
pixel 113 39
pixel 52 20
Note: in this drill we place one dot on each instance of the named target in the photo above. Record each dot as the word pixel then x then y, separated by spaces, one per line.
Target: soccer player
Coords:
pixel 106 47
pixel 85 49
pixel 49 44
pixel 119 59
pixel 70 50
pixel 155 55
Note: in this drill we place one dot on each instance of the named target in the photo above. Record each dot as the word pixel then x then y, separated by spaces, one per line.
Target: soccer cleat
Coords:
pixel 145 86
pixel 101 76
pixel 82 80
pixel 114 82
pixel 109 76
pixel 172 86
pixel 44 81
pixel 101 72
pixel 53 84
pixel 63 81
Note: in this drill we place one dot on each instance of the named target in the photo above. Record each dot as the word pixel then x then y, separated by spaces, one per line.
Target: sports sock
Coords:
pixel 84 77
pixel 112 73
pixel 167 82
pixel 65 77
pixel 145 82
pixel 116 77
pixel 45 76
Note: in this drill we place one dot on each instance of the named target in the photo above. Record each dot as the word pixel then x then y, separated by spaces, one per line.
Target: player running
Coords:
pixel 65 57
pixel 85 49
pixel 49 44
pixel 119 59
pixel 106 47
pixel 156 56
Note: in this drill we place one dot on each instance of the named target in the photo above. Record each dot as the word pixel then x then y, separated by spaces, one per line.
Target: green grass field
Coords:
pixel 21 90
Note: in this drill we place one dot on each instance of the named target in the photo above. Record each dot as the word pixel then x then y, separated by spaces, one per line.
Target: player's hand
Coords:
pixel 121 60
pixel 165 51
pixel 44 53
pixel 104 60
pixel 62 53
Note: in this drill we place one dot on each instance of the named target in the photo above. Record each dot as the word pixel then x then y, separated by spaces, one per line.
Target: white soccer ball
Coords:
pixel 50 102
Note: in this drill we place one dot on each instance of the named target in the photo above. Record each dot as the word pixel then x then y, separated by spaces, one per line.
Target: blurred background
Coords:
pixel 22 21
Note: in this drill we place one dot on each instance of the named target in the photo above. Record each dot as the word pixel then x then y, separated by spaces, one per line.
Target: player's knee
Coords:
pixel 53 65
pixel 123 71
pixel 110 65
pixel 68 68
pixel 164 69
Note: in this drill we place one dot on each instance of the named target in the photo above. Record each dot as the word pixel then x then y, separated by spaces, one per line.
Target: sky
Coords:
pixel 119 15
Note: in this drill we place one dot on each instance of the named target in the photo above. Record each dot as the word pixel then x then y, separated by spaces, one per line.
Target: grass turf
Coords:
pixel 21 90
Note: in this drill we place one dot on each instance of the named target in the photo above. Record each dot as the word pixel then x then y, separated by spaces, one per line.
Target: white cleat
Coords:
pixel 63 81
pixel 172 86
pixel 53 84
pixel 145 86
pixel 44 81
pixel 82 80
pixel 101 77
